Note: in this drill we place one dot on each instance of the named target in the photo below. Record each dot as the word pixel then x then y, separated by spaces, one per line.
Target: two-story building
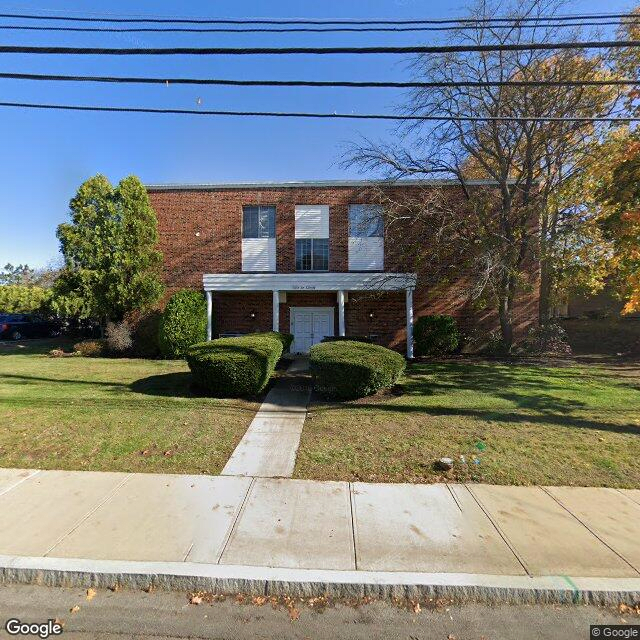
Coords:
pixel 307 258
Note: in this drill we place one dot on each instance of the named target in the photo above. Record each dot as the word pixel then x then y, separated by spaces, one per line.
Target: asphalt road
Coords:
pixel 162 615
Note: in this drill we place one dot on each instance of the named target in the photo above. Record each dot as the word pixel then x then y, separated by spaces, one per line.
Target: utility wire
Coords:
pixel 243 51
pixel 325 116
pixel 317 83
pixel 149 19
pixel 328 29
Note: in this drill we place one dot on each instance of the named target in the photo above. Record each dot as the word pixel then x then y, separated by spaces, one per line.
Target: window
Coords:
pixel 259 222
pixel 365 221
pixel 312 254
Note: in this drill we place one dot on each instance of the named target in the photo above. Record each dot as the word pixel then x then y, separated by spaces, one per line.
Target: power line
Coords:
pixel 316 83
pixel 150 19
pixel 324 116
pixel 396 29
pixel 243 51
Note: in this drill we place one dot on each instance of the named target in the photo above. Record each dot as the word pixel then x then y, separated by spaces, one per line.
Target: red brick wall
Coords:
pixel 201 232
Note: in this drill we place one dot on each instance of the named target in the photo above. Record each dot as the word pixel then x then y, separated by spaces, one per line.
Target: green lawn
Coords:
pixel 111 414
pixel 525 424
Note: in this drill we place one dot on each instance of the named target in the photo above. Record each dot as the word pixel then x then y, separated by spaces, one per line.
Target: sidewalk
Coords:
pixel 268 449
pixel 240 529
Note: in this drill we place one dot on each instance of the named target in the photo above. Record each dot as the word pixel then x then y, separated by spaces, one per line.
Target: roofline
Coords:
pixel 311 184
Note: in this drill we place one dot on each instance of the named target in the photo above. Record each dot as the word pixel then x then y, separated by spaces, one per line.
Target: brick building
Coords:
pixel 307 258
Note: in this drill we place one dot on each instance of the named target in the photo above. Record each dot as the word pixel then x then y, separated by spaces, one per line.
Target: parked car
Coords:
pixel 16 326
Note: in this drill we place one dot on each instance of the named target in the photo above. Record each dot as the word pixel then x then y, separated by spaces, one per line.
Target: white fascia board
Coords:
pixel 308 281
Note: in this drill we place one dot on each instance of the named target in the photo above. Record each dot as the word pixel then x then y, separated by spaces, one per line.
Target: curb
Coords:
pixel 304 583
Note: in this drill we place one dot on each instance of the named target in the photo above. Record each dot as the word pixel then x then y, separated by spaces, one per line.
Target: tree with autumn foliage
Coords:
pixel 526 139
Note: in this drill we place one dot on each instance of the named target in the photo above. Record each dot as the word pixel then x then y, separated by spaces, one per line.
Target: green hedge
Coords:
pixel 232 367
pixel 435 335
pixel 285 338
pixel 347 370
pixel 183 323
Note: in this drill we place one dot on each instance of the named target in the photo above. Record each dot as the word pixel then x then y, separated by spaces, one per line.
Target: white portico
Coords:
pixel 312 319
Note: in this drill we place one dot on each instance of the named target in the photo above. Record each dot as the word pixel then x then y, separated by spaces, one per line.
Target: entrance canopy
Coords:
pixel 308 281
pixel 339 282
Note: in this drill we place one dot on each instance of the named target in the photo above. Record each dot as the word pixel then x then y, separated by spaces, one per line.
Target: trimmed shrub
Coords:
pixel 349 369
pixel 285 338
pixel 183 323
pixel 91 348
pixel 118 336
pixel 435 335
pixel 365 339
pixel 232 367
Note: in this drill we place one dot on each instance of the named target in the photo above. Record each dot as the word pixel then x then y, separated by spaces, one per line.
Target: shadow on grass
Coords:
pixel 174 385
pixel 535 393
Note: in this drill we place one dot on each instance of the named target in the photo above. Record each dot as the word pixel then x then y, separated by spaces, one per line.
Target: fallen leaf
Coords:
pixel 74 609
pixel 148 589
pixel 91 593
pixel 114 587
pixel 416 607
pixel 168 453
pixel 195 599
pixel 59 621
pixel 294 614
pixel 259 600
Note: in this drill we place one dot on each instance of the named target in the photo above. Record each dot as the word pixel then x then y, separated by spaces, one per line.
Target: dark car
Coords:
pixel 16 326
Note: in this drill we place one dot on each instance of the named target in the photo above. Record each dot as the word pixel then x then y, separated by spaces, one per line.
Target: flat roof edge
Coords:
pixel 310 184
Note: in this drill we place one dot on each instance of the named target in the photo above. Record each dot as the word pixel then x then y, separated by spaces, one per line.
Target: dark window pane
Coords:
pixel 258 222
pixel 365 221
pixel 303 255
pixel 321 254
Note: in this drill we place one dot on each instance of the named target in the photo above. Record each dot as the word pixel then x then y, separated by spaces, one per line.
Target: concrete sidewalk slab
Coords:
pixel 289 395
pixel 10 478
pixel 38 512
pixel 549 540
pixel 633 494
pixel 268 449
pixel 260 454
pixel 160 518
pixel 612 516
pixel 405 527
pixel 296 524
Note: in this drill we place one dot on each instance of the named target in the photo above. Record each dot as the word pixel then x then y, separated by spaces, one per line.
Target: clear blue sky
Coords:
pixel 45 155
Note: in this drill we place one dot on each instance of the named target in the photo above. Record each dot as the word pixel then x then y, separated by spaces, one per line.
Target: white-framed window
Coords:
pixel 259 238
pixel 312 237
pixel 259 221
pixel 366 237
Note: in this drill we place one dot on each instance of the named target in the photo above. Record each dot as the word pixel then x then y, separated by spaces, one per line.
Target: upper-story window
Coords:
pixel 312 237
pixel 366 237
pixel 365 221
pixel 259 222
pixel 312 254
pixel 259 238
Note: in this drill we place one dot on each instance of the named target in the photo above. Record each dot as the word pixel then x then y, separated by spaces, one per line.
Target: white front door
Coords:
pixel 309 325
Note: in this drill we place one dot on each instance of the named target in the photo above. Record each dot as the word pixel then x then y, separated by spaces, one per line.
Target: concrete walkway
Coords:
pixel 280 528
pixel 268 448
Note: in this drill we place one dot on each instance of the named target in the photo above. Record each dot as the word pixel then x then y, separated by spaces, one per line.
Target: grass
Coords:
pixel 513 423
pixel 108 414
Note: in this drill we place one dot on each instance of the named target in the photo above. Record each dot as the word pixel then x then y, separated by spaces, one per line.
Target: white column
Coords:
pixel 409 323
pixel 276 310
pixel 341 329
pixel 209 315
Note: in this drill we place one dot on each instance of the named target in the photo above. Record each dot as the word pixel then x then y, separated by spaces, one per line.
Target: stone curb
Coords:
pixel 185 576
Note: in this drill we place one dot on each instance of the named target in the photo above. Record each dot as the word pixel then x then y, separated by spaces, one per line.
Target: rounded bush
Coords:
pixel 92 348
pixel 232 367
pixel 183 323
pixel 349 369
pixel 285 338
pixel 435 335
